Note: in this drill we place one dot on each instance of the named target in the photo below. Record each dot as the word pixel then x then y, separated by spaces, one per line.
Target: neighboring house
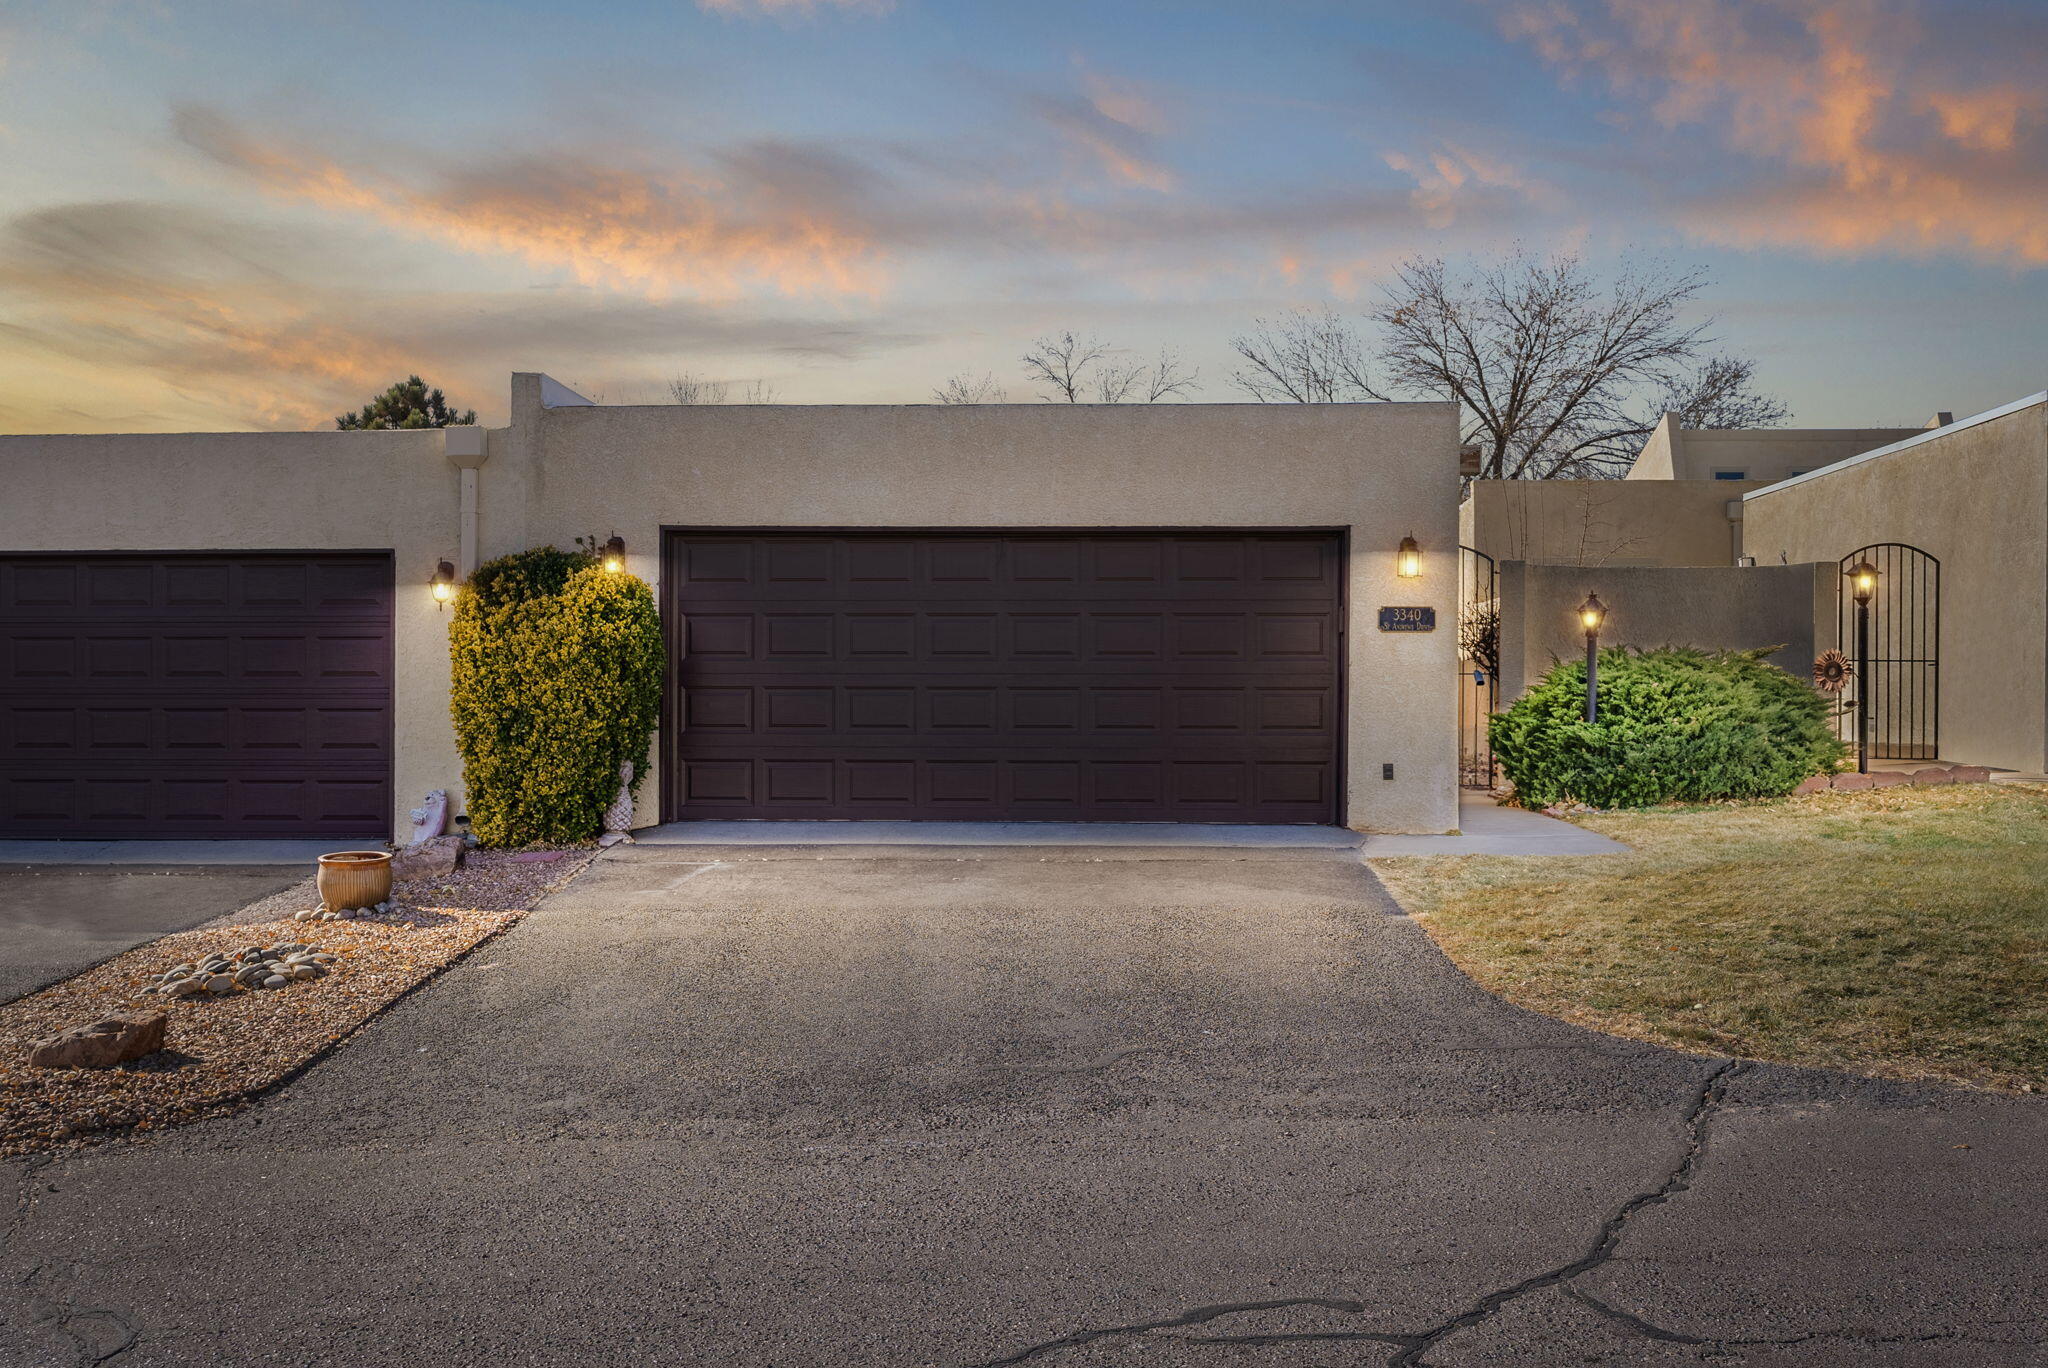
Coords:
pixel 1956 519
pixel 1004 611
pixel 1732 455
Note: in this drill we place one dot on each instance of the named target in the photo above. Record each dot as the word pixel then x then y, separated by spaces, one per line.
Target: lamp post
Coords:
pixel 1863 587
pixel 1591 614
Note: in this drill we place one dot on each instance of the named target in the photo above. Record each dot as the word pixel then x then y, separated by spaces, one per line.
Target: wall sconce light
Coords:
pixel 615 554
pixel 444 582
pixel 1408 561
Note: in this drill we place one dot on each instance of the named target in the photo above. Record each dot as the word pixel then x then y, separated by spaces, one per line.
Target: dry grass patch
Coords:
pixel 222 1051
pixel 1900 932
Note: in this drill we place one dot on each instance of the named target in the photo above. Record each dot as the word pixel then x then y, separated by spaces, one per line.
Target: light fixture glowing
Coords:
pixel 1863 581
pixel 1592 613
pixel 444 582
pixel 615 554
pixel 1408 563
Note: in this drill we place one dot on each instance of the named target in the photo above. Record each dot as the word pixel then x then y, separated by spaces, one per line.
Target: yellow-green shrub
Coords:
pixel 557 680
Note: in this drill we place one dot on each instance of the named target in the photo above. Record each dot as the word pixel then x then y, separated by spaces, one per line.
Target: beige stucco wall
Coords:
pixel 1712 607
pixel 354 491
pixel 1603 522
pixel 1379 471
pixel 1976 498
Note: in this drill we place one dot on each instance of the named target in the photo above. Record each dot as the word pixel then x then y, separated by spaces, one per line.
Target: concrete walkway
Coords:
pixel 1487 828
pixel 1186 835
pixel 1098 1107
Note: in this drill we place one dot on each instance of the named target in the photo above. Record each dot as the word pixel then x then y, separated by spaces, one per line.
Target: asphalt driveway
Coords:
pixel 59 919
pixel 1061 1107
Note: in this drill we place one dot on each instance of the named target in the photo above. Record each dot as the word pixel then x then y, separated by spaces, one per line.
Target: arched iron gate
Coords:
pixel 1905 652
pixel 1478 664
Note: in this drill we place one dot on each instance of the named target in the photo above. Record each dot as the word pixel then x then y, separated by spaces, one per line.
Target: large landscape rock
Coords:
pixel 433 859
pixel 101 1045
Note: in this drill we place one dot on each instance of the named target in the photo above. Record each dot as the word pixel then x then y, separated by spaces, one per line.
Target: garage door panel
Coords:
pixel 1082 676
pixel 195 695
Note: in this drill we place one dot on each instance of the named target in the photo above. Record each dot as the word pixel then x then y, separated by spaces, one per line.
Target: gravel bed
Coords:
pixel 223 1050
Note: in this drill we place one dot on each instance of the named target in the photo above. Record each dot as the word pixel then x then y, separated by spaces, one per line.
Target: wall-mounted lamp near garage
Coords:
pixel 615 554
pixel 1408 562
pixel 444 581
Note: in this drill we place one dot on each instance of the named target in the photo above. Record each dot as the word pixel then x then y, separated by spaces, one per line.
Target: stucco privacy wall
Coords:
pixel 1975 496
pixel 1379 471
pixel 1714 608
pixel 1603 522
pixel 283 491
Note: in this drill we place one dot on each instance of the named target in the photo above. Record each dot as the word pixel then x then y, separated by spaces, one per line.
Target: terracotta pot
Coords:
pixel 350 879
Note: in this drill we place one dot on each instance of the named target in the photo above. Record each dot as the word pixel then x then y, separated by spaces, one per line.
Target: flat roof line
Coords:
pixel 1986 416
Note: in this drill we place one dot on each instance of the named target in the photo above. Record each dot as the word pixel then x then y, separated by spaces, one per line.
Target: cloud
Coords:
pixel 1863 128
pixel 157 315
pixel 766 216
pixel 1454 179
pixel 1113 123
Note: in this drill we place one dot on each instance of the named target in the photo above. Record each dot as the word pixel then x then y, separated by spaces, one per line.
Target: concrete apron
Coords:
pixel 752 1106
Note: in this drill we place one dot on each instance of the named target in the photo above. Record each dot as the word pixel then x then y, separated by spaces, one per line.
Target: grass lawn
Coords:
pixel 1900 932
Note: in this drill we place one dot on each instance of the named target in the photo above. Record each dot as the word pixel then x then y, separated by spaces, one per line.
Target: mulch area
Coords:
pixel 223 1051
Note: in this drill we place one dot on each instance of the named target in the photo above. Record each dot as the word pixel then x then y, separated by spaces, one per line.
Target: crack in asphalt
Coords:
pixel 1668 1336
pixel 1410 1348
pixel 59 1313
pixel 1202 1315
pixel 1697 1116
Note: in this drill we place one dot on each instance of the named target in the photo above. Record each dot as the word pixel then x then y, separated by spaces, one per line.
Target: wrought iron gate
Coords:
pixel 1478 664
pixel 1905 652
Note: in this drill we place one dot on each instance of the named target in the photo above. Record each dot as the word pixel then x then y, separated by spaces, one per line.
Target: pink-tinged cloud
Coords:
pixel 1453 178
pixel 1870 125
pixel 767 217
pixel 1114 124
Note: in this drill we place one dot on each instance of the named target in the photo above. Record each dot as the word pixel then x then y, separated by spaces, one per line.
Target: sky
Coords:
pixel 253 214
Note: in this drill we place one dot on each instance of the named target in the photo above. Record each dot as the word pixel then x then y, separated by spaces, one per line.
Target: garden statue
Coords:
pixel 619 815
pixel 429 819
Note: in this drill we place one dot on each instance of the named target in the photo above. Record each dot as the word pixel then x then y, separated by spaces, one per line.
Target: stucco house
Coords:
pixel 1739 538
pixel 1133 612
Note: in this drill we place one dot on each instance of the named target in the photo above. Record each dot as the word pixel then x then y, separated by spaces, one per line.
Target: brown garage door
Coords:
pixel 1042 676
pixel 195 695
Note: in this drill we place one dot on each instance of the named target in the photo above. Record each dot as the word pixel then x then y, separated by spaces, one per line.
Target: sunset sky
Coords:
pixel 252 213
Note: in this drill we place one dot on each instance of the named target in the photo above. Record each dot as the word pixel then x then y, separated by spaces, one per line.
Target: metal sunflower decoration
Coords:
pixel 1831 672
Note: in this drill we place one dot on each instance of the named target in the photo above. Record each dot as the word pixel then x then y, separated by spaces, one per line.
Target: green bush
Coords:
pixel 1676 724
pixel 557 680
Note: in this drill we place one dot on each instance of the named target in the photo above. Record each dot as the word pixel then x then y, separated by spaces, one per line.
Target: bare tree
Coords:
pixel 1075 369
pixel 697 389
pixel 1061 363
pixel 1305 356
pixel 968 388
pixel 1169 377
pixel 1548 362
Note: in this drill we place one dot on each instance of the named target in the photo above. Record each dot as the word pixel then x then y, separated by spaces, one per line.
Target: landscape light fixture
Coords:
pixel 444 581
pixel 1863 588
pixel 615 554
pixel 1592 613
pixel 1408 564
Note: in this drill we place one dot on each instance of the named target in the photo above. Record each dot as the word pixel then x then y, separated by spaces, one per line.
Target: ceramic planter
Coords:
pixel 351 879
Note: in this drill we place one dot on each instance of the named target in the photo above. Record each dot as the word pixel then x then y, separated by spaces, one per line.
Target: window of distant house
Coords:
pixel 1731 474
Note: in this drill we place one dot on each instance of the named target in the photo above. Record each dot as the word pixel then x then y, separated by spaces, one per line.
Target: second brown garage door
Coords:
pixel 195 695
pixel 1043 676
